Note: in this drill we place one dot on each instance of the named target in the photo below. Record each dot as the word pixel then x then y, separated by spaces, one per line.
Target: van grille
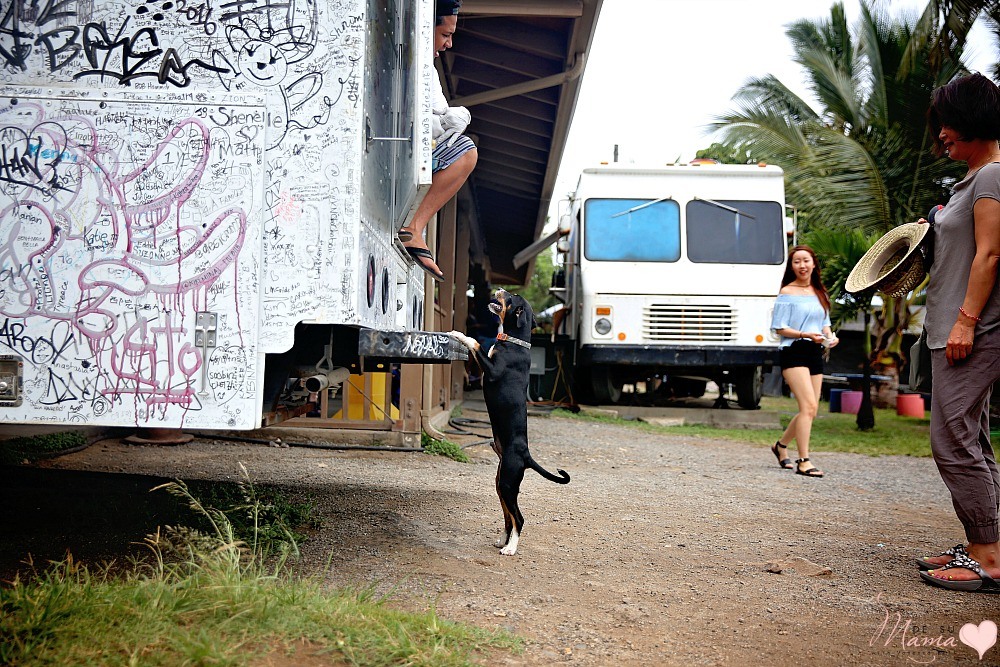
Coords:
pixel 688 322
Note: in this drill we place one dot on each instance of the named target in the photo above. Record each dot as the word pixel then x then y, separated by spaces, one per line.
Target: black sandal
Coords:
pixel 808 472
pixel 419 255
pixel 786 462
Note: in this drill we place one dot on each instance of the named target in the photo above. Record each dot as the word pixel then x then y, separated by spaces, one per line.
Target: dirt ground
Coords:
pixel 663 550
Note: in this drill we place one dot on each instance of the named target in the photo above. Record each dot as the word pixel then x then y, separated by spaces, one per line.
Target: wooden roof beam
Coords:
pixel 569 9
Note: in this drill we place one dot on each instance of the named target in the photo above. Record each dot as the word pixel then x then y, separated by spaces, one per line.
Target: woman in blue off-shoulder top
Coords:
pixel 802 319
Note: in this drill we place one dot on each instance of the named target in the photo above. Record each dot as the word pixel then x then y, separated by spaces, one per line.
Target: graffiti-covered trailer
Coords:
pixel 670 274
pixel 197 199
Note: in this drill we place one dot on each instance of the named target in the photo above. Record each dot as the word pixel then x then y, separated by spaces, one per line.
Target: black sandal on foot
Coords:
pixel 924 564
pixel 808 472
pixel 786 462
pixel 419 255
pixel 404 235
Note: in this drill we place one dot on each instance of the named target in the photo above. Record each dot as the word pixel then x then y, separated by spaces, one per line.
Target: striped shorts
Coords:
pixel 444 155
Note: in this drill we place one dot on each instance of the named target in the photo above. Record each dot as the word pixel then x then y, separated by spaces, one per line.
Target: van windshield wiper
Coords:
pixel 724 207
pixel 642 206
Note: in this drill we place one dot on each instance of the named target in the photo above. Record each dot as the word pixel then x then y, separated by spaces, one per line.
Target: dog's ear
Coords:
pixel 519 313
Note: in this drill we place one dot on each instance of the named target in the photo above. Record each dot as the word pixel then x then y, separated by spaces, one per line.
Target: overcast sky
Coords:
pixel 660 70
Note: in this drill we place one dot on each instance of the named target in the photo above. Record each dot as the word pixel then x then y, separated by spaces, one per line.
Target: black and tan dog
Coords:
pixel 505 388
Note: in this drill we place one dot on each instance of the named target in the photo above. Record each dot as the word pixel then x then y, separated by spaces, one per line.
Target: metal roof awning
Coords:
pixel 517 65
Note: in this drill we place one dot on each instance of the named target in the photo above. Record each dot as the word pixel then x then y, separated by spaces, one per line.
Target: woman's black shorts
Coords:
pixel 803 353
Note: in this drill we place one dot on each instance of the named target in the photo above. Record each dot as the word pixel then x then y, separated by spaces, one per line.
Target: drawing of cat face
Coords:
pixel 262 63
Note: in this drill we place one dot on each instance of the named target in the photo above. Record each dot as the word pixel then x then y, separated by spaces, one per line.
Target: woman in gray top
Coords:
pixel 963 330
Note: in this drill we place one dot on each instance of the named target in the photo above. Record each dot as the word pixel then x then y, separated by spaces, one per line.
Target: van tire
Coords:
pixel 603 386
pixel 749 383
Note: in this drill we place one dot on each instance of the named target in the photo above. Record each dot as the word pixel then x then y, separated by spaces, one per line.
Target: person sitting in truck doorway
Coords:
pixel 454 156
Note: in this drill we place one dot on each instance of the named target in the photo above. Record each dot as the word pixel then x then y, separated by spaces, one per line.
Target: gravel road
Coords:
pixel 663 550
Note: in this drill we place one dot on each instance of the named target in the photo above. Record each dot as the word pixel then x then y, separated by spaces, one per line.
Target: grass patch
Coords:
pixel 265 511
pixel 445 448
pixel 31 448
pixel 832 432
pixel 216 597
pixel 217 614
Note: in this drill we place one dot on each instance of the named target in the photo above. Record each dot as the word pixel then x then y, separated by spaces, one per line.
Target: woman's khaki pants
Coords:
pixel 960 434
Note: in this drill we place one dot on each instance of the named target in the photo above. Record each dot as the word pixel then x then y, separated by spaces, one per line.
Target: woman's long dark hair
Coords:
pixel 816 281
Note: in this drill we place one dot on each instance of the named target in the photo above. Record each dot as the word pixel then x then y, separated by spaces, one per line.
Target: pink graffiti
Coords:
pixel 88 227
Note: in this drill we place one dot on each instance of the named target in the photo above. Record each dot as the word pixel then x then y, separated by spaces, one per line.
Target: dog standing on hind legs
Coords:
pixel 505 388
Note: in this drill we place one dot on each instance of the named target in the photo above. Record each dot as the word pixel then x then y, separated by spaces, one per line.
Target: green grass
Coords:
pixel 832 432
pixel 445 448
pixel 220 597
pixel 31 448
pixel 217 614
pixel 262 510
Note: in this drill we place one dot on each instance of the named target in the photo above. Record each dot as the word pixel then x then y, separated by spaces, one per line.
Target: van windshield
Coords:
pixel 727 231
pixel 632 230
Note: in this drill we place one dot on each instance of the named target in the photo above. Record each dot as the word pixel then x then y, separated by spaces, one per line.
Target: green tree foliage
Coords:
pixel 727 154
pixel 863 159
pixel 947 23
pixel 536 291
pixel 840 250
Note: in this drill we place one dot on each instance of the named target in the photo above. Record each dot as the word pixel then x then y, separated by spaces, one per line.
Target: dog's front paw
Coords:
pixel 511 547
pixel 464 340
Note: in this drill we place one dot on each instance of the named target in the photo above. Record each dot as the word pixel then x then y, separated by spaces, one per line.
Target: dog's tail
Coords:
pixel 547 475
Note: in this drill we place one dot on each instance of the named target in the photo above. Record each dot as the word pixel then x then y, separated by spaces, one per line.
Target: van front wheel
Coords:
pixel 749 383
pixel 606 389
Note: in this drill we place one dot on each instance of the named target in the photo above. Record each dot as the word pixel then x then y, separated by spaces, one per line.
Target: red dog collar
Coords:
pixel 516 341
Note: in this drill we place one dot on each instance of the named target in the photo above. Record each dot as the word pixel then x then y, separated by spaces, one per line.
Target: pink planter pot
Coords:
pixel 850 401
pixel 910 405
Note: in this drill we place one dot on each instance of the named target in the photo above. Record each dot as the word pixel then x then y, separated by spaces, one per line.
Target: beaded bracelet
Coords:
pixel 969 315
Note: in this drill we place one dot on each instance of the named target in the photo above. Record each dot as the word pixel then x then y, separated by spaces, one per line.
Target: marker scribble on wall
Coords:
pixel 110 237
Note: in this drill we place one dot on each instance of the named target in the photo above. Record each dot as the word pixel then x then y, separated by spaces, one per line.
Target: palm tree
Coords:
pixel 947 23
pixel 860 160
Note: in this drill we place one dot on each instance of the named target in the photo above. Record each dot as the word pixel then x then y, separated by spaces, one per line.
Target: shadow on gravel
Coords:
pixel 101 517
pixel 95 516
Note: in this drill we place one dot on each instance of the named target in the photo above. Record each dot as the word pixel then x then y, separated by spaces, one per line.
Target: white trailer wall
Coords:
pixel 182 182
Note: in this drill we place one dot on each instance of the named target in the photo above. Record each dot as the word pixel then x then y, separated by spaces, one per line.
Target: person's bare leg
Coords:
pixel 804 386
pixel 444 185
pixel 789 434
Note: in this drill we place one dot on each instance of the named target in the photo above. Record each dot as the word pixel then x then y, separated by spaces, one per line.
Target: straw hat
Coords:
pixel 893 265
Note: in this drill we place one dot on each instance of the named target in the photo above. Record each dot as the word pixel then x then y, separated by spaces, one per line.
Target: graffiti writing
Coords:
pixel 136 56
pixel 37 349
pixel 424 344
pixel 118 258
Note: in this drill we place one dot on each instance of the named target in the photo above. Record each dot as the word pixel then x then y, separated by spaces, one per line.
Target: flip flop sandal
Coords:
pixel 808 472
pixel 404 235
pixel 418 255
pixel 786 462
pixel 924 564
pixel 985 583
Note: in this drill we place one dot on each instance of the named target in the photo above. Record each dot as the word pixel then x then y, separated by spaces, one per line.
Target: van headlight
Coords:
pixel 603 326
